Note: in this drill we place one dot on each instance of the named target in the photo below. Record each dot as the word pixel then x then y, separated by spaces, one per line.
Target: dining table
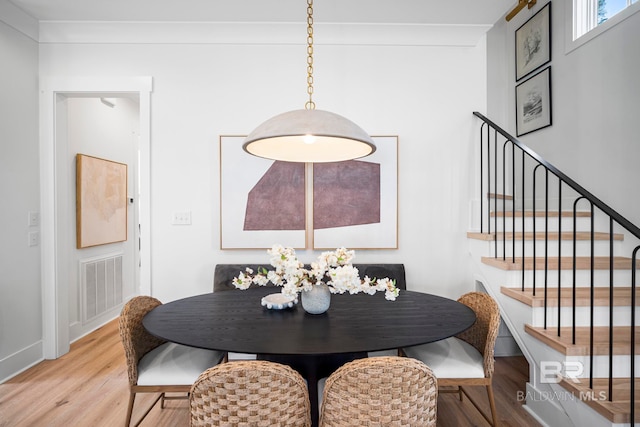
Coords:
pixel 313 344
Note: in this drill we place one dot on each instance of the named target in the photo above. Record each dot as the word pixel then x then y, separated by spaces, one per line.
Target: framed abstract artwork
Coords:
pixel 533 43
pixel 266 202
pixel 533 103
pixel 355 203
pixel 101 201
pixel 262 202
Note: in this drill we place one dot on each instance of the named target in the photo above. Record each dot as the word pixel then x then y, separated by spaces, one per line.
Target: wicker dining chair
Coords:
pixel 255 393
pixel 466 359
pixel 154 365
pixel 387 391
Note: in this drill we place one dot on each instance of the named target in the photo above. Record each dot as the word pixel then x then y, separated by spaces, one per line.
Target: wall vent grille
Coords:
pixel 101 285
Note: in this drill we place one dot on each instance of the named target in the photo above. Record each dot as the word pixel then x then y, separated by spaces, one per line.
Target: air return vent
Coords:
pixel 101 285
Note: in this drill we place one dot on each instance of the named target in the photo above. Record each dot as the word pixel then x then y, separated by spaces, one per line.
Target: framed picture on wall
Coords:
pixel 262 202
pixel 533 103
pixel 101 201
pixel 533 43
pixel 355 203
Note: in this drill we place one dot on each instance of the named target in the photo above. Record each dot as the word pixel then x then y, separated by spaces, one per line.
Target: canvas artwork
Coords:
pixel 101 201
pixel 263 202
pixel 355 202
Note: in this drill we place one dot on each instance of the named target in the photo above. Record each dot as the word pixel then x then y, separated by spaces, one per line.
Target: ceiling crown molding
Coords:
pixel 17 19
pixel 259 33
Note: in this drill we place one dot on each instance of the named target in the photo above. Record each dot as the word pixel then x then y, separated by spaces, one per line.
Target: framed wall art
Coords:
pixel 533 43
pixel 101 201
pixel 355 203
pixel 352 204
pixel 533 103
pixel 262 202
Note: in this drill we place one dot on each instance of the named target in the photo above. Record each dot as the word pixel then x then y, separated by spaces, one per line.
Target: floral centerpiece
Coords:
pixel 332 269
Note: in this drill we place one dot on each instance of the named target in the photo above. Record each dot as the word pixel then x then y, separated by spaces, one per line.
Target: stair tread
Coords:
pixel 566 263
pixel 621 296
pixel 500 196
pixel 563 343
pixel 618 409
pixel 540 214
pixel 540 235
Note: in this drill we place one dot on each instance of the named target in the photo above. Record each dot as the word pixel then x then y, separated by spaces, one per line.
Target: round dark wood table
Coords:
pixel 315 345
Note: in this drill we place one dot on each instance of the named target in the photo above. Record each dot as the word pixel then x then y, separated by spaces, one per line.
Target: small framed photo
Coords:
pixel 533 103
pixel 533 43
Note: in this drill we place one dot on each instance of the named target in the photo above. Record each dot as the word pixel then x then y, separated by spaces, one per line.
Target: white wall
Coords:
pixel 20 293
pixel 424 94
pixel 595 93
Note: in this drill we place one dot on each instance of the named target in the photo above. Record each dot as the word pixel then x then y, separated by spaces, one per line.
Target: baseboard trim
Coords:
pixel 545 410
pixel 20 361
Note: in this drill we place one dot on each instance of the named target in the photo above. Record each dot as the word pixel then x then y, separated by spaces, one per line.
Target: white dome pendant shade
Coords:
pixel 309 136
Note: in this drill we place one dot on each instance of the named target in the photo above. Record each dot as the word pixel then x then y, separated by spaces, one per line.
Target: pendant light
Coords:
pixel 309 135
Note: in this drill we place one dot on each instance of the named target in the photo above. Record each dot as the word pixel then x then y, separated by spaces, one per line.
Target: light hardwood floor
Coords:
pixel 88 388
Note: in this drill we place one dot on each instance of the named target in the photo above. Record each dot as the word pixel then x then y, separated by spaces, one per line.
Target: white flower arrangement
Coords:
pixel 331 268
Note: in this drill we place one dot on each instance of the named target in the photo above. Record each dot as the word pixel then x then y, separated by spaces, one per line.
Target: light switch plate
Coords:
pixel 181 218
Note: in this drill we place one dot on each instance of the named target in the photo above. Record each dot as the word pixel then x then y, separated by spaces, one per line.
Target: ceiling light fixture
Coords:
pixel 309 135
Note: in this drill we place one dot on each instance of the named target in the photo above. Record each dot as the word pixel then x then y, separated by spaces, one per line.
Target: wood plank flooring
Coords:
pixel 88 387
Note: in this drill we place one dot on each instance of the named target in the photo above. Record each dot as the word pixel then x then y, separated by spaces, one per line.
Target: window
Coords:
pixel 589 14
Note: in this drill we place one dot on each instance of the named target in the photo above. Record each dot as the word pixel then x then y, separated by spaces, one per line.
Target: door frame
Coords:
pixel 55 302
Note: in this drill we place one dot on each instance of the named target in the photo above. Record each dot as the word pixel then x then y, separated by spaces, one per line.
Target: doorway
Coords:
pixel 73 111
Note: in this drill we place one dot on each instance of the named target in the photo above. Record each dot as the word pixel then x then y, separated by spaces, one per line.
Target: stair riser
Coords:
pixel 583 248
pixel 566 224
pixel 579 367
pixel 583 278
pixel 621 316
pixel 621 366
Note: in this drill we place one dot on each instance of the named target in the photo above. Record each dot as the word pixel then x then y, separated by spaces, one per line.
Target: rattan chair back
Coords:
pixel 254 393
pixel 136 340
pixel 484 332
pixel 385 391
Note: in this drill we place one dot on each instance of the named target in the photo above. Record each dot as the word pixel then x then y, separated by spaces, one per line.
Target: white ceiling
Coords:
pixel 468 12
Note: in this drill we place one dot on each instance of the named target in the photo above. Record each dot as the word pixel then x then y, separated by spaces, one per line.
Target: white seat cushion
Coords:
pixel 175 364
pixel 381 353
pixel 450 358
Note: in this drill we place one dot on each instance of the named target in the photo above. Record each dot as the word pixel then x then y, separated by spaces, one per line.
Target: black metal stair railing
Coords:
pixel 516 174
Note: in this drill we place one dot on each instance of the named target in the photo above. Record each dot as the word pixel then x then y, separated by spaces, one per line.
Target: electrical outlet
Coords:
pixel 34 238
pixel 34 219
pixel 181 218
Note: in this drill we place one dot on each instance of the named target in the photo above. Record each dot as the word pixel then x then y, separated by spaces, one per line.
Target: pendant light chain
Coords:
pixel 310 105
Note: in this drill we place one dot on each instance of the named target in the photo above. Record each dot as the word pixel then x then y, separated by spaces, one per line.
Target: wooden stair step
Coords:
pixel 500 196
pixel 564 345
pixel 566 263
pixel 540 214
pixel 621 296
pixel 618 409
pixel 540 235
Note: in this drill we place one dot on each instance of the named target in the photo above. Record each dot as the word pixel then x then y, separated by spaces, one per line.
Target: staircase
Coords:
pixel 562 266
